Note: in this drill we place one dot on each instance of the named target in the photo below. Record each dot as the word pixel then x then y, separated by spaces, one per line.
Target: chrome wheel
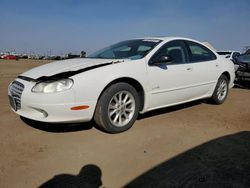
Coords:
pixel 121 108
pixel 222 90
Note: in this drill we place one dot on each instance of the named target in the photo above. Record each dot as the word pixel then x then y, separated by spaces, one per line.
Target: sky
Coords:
pixel 62 26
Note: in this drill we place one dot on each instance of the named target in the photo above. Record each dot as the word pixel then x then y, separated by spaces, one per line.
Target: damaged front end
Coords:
pixel 67 74
pixel 25 92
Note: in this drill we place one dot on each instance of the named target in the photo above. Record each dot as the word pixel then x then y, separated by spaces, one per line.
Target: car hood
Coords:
pixel 70 65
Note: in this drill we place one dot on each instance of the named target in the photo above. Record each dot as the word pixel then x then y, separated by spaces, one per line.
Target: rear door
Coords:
pixel 205 69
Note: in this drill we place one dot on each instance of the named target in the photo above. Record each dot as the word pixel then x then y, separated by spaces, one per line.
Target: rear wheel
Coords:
pixel 221 90
pixel 117 108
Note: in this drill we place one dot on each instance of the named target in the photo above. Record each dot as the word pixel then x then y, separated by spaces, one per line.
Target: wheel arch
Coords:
pixel 227 75
pixel 133 82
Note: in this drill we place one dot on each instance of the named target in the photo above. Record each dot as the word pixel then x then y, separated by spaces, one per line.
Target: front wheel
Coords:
pixel 221 90
pixel 117 108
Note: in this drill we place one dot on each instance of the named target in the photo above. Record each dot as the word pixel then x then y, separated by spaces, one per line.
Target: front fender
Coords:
pixel 89 85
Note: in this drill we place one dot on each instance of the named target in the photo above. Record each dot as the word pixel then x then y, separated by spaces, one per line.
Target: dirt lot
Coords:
pixel 197 144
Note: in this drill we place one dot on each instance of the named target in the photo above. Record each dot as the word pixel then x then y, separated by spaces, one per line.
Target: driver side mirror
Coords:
pixel 161 60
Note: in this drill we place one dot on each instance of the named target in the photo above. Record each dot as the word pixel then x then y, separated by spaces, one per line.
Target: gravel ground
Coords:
pixel 191 145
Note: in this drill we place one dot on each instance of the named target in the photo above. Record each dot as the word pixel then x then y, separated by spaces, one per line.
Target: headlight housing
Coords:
pixel 53 86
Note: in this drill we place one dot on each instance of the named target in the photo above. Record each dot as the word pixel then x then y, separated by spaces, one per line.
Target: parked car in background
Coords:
pixel 243 70
pixel 23 56
pixel 116 83
pixel 10 57
pixel 232 55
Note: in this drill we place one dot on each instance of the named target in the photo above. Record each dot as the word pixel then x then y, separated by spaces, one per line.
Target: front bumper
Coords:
pixel 55 107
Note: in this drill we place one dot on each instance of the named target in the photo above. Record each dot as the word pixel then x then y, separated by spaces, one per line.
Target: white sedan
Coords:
pixel 113 85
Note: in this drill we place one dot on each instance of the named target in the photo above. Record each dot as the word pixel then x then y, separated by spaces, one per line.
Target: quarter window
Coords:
pixel 198 52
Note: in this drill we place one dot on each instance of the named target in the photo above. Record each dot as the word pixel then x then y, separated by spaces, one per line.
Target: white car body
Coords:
pixel 162 87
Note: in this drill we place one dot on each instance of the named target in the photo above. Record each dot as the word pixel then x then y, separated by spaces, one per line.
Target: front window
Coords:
pixel 131 49
pixel 174 50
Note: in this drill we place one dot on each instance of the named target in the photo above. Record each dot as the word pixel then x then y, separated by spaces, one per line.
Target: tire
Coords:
pixel 117 108
pixel 221 90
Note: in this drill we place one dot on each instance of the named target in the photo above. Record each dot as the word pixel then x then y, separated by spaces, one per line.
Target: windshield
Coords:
pixel 130 49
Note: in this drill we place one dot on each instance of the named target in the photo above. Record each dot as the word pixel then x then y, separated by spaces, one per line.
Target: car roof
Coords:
pixel 166 38
pixel 169 38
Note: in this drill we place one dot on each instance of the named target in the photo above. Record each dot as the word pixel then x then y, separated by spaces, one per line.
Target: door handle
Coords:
pixel 189 68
